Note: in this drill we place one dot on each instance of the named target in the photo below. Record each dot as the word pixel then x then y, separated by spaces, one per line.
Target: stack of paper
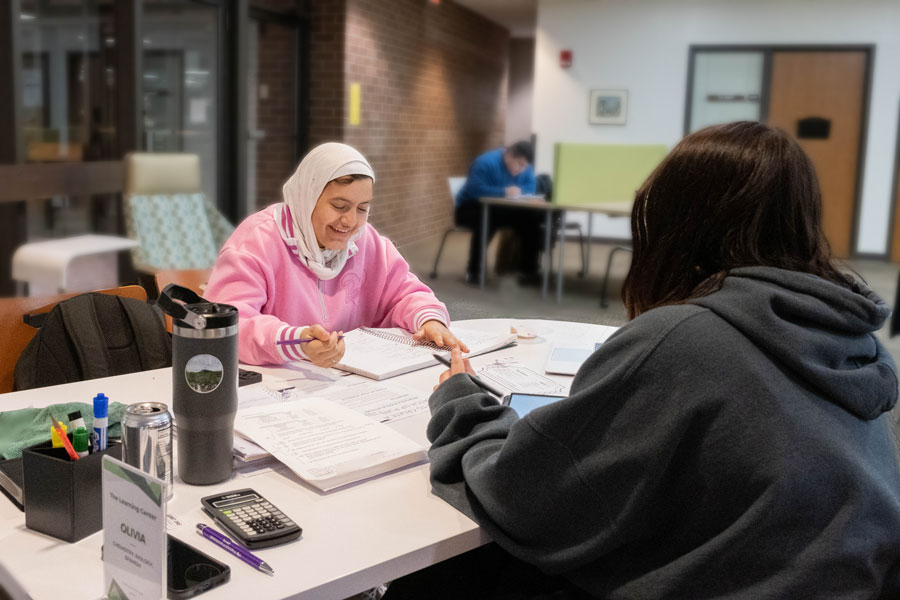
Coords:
pixel 326 444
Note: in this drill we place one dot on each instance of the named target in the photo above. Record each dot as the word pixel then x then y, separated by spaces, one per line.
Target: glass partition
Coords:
pixel 727 86
pixel 180 82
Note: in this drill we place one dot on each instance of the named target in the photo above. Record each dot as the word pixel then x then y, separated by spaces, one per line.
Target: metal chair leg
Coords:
pixel 604 303
pixel 433 274
pixel 584 252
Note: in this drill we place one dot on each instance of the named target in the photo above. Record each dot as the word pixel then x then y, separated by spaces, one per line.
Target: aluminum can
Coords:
pixel 147 440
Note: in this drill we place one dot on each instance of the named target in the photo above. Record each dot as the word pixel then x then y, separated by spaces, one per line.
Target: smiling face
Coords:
pixel 341 210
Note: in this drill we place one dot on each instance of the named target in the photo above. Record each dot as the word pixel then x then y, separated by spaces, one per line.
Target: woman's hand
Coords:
pixel 458 364
pixel 437 332
pixel 326 349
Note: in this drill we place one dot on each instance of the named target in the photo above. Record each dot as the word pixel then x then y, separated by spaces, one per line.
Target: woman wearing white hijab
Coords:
pixel 312 267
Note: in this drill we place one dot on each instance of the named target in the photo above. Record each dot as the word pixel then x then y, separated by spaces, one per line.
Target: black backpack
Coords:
pixel 90 336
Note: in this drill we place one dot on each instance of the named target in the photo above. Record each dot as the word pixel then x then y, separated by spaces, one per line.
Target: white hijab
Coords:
pixel 301 191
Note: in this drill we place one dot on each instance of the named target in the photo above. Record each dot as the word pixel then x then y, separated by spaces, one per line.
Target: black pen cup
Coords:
pixel 63 497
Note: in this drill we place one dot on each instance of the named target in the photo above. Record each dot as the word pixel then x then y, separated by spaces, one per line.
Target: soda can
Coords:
pixel 147 440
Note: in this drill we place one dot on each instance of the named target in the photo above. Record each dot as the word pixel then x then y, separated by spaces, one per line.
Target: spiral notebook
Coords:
pixel 388 352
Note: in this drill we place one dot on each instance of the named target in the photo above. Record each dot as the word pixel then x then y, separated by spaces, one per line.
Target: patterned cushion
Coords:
pixel 176 231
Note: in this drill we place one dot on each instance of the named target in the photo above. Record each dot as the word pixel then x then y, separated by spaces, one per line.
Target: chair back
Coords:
pixel 456 183
pixel 167 213
pixel 16 334
pixel 544 186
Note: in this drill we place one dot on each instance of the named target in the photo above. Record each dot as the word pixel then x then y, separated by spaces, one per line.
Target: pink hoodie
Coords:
pixel 277 295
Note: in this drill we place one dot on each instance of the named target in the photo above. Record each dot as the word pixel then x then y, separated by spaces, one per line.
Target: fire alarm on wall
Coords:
pixel 565 58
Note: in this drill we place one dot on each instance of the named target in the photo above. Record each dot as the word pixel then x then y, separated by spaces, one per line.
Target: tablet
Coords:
pixel 566 360
pixel 525 403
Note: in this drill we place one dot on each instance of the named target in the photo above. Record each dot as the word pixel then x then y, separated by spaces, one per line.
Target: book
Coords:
pixel 326 444
pixel 388 352
pixel 11 481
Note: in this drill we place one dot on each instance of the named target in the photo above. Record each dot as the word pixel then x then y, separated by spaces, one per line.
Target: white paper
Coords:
pixel 381 402
pixel 521 379
pixel 326 444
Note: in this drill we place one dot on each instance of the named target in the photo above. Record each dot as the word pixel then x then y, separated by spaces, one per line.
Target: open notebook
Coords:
pixel 383 353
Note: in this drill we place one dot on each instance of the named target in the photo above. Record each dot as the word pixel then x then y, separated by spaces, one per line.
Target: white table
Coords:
pixel 75 264
pixel 614 209
pixel 353 538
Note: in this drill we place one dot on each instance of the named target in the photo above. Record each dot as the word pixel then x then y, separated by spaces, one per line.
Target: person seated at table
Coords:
pixel 501 173
pixel 312 267
pixel 732 441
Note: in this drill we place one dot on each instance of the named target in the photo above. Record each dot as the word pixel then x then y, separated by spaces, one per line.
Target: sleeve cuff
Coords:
pixel 430 314
pixel 287 350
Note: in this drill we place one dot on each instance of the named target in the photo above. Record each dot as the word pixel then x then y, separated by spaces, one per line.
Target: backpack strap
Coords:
pixel 83 328
pixel 148 325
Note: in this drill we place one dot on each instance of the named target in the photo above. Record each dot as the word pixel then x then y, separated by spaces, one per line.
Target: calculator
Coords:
pixel 250 518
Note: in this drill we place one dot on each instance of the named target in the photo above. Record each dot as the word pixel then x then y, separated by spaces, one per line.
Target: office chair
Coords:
pixel 176 225
pixel 545 188
pixel 455 184
pixel 604 300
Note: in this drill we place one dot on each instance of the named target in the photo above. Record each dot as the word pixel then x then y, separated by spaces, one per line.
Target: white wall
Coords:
pixel 642 46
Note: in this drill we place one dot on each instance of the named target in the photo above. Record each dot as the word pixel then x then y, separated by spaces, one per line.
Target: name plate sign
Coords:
pixel 134 533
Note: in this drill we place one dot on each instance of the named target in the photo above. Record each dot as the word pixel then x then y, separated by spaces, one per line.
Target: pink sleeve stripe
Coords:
pixel 289 352
pixel 429 314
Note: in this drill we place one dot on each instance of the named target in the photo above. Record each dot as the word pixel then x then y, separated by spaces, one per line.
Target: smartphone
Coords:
pixel 525 403
pixel 191 572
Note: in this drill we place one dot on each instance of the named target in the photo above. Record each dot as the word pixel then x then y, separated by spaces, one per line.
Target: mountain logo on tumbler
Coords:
pixel 203 373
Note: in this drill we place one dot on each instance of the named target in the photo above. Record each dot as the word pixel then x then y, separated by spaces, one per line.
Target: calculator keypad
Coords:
pixel 258 519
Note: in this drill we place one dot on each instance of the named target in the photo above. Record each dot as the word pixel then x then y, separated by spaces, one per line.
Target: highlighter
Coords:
pixel 101 411
pixel 76 420
pixel 55 440
pixel 80 442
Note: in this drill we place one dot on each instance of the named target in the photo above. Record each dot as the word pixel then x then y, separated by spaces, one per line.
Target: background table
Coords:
pixel 353 538
pixel 548 208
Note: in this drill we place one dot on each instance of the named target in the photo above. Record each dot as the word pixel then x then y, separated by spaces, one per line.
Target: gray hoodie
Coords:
pixel 733 447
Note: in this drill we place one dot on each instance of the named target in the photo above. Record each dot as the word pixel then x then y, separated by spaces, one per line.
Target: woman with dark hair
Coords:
pixel 732 441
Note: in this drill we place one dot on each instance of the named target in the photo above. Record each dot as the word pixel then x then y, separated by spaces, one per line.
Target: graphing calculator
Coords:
pixel 250 518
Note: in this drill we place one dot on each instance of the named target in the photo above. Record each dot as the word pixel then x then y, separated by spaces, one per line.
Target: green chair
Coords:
pixel 166 212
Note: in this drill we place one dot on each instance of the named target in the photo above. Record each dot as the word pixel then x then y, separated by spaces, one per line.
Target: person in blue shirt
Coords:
pixel 501 173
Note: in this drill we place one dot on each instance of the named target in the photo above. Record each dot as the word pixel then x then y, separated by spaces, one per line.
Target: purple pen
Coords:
pixel 301 341
pixel 233 547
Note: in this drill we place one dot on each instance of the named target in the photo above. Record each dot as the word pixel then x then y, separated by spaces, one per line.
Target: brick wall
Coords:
pixel 434 85
pixel 326 71
pixel 276 109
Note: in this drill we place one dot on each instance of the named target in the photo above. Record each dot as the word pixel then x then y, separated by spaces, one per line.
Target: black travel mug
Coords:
pixel 204 383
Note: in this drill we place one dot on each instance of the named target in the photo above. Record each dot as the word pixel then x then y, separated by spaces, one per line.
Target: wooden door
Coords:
pixel 829 85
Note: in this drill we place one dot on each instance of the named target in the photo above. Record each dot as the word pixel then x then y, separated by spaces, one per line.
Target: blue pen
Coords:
pixel 101 421
pixel 234 548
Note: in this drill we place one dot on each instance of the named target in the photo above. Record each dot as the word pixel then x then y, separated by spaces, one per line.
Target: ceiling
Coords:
pixel 518 16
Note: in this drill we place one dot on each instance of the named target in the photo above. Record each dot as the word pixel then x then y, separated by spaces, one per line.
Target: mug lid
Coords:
pixel 216 315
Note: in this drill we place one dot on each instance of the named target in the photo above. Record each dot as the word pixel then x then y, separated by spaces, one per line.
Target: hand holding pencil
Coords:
pixel 325 348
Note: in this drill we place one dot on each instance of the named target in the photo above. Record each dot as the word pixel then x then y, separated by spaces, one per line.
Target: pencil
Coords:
pixel 479 382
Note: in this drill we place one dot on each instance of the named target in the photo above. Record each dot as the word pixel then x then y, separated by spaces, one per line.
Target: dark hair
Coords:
pixel 522 149
pixel 728 196
pixel 348 179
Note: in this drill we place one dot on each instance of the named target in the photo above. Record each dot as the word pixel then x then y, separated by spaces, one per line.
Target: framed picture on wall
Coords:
pixel 608 107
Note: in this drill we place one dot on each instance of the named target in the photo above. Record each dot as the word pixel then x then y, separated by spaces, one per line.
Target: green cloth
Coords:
pixel 29 426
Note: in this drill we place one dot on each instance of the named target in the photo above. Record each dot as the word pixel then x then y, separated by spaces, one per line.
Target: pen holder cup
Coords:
pixel 63 497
